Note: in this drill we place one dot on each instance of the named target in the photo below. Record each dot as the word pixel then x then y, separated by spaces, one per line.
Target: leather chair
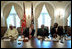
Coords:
pixel 3 30
pixel 69 31
pixel 19 30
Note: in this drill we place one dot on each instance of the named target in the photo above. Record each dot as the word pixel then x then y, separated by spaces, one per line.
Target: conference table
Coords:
pixel 35 43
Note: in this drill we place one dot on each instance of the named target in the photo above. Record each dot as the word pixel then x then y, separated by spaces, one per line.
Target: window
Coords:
pixel 44 18
pixel 69 20
pixel 13 18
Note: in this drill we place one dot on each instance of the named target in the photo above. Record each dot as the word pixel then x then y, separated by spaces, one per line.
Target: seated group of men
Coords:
pixel 29 32
pixel 13 33
pixel 55 31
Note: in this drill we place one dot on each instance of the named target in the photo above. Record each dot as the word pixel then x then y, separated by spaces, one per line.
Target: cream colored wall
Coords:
pixel 37 4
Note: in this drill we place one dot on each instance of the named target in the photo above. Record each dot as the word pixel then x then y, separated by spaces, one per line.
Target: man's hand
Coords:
pixel 22 36
pixel 10 36
pixel 30 36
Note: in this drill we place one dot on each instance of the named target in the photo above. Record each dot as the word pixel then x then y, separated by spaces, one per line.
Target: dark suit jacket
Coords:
pixel 59 31
pixel 26 32
pixel 40 32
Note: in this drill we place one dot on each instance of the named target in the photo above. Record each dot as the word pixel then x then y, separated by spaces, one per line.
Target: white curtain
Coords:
pixel 19 11
pixel 50 9
pixel 6 12
pixel 38 10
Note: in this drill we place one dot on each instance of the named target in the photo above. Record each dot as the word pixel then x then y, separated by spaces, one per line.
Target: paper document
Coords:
pixel 68 38
pixel 26 38
pixel 55 39
pixel 20 39
pixel 39 37
pixel 6 39
pixel 47 39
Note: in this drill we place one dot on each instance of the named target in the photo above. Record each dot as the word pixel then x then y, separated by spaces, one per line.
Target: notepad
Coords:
pixel 47 39
pixel 6 39
pixel 39 37
pixel 68 38
pixel 55 39
pixel 26 38
pixel 21 39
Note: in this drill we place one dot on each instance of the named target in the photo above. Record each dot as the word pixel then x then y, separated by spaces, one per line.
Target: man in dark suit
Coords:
pixel 56 31
pixel 60 31
pixel 29 32
pixel 42 31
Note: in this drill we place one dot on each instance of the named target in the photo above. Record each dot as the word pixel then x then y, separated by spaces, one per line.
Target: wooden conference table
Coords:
pixel 35 43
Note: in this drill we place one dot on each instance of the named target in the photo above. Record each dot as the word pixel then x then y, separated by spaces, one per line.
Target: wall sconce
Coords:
pixel 59 13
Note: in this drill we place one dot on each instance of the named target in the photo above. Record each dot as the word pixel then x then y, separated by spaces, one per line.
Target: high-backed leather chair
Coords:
pixel 3 31
pixel 66 28
pixel 69 31
pixel 19 30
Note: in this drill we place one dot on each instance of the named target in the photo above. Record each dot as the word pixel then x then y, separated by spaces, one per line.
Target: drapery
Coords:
pixel 38 10
pixel 7 9
pixel 49 9
pixel 6 12
pixel 19 11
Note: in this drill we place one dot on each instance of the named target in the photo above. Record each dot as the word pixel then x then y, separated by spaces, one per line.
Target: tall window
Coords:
pixel 44 18
pixel 69 20
pixel 13 18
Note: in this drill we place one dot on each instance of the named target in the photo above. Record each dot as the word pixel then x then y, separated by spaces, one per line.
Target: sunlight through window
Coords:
pixel 69 20
pixel 13 18
pixel 44 18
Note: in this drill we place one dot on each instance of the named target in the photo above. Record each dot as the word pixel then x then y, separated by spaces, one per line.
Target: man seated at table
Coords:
pixel 56 31
pixel 60 31
pixel 29 31
pixel 11 32
pixel 42 32
pixel 46 31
